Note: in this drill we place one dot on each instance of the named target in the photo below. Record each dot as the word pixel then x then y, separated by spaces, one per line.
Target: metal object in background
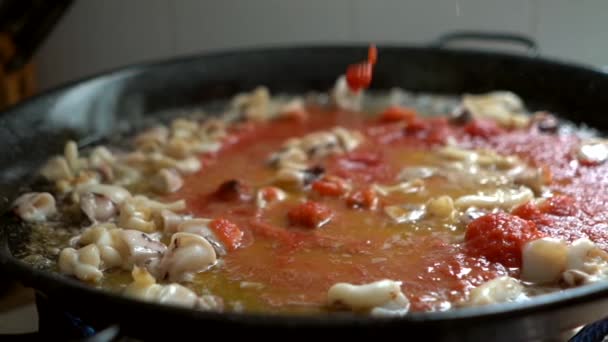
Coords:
pixel 24 24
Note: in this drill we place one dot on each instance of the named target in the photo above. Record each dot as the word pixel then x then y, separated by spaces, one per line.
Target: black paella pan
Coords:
pixel 90 109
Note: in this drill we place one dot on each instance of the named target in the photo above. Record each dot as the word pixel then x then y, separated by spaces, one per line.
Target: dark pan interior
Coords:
pixel 116 101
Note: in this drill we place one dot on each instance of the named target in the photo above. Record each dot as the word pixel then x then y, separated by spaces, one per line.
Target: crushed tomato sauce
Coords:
pixel 437 263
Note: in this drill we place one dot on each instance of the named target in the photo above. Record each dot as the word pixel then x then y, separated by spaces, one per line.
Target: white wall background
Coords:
pixel 96 35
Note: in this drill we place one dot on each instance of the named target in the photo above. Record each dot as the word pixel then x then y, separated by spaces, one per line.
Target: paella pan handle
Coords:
pixel 493 37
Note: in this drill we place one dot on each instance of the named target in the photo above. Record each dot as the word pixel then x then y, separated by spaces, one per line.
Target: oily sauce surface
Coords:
pixel 287 268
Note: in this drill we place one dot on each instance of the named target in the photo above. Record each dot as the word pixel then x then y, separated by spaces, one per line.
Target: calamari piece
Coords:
pixel 124 248
pixel 441 207
pixel 504 107
pixel 344 98
pixel 498 290
pixel 187 166
pixel 71 155
pixel 178 205
pixel 35 206
pixel 101 156
pixel 82 263
pixel 116 194
pixel 411 173
pixel 56 169
pixel 405 214
pixel 293 109
pixel 144 287
pixel 381 298
pixel 254 106
pixel 135 215
pixel 580 252
pixel 316 145
pixel 169 221
pixel 188 254
pixel 592 151
pixel 268 195
pixel 200 226
pixel 586 263
pixel 98 208
pixel 152 139
pixel 139 213
pixel 142 249
pixel 501 198
pixel 166 181
pixel 543 260
pixel 106 238
pixel 403 187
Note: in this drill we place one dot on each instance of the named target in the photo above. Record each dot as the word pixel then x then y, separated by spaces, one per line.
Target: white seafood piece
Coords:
pixel 98 207
pixel 125 175
pixel 71 155
pixel 416 172
pixel 403 187
pixel 405 214
pixel 348 139
pixel 441 207
pixel 82 263
pixel 212 129
pixel 498 290
pixel 188 254
pixel 106 238
pixel 254 105
pixel 139 213
pixel 267 195
pixel 543 260
pixel 458 154
pixel 124 248
pixel 181 148
pixel 56 169
pixel 141 249
pixel 168 221
pixel 134 215
pixel 144 287
pixel 504 107
pixel 381 298
pixel 316 145
pixel 200 226
pixel 344 98
pixel 579 252
pixel 188 166
pixel 291 176
pixel 35 206
pixel 295 105
pixel 586 263
pixel 116 194
pixel 178 205
pixel 289 157
pixel 166 181
pixel 592 151
pixel 480 157
pixel 184 128
pixel 152 139
pixel 501 198
pixel 101 156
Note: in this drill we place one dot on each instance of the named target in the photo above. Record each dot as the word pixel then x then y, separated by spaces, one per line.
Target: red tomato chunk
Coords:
pixel 228 232
pixel 329 187
pixel 365 199
pixel 310 215
pixel 500 238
